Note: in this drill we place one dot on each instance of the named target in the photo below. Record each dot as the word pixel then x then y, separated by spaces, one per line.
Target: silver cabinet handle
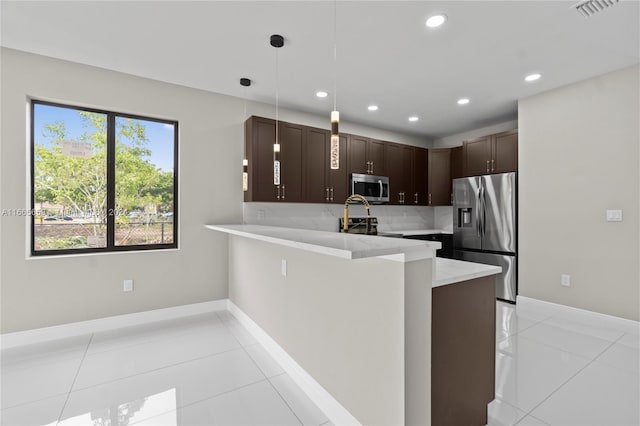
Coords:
pixel 283 192
pixel 332 193
pixel 493 165
pixel 369 167
pixel 326 194
pixel 278 196
pixel 487 166
pixel 429 199
pixel 372 167
pixel 416 195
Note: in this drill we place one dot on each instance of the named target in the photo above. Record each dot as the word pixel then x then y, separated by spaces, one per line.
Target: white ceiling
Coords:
pixel 386 54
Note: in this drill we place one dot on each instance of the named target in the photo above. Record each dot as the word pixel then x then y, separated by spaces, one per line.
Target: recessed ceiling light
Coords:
pixel 436 20
pixel 372 107
pixel 532 77
pixel 463 101
pixel 414 118
pixel 322 94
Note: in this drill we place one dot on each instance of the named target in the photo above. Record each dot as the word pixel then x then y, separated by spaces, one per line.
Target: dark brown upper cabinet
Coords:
pixel 321 183
pixel 505 152
pixel 420 175
pixel 457 162
pixel 259 139
pixel 439 182
pixel 366 155
pixel 491 154
pixel 399 168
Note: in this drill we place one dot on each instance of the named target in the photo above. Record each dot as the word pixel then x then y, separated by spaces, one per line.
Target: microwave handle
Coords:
pixel 381 190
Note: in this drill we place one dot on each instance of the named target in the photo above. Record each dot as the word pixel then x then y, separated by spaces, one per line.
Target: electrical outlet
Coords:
pixel 128 285
pixel 565 280
pixel 284 267
pixel 614 215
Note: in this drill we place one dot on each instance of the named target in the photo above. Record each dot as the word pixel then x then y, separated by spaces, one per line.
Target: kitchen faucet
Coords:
pixel 354 197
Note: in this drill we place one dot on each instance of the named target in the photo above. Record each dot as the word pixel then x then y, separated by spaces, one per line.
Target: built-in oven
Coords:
pixel 374 188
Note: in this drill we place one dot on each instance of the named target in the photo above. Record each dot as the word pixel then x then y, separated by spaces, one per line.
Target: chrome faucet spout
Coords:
pixel 354 197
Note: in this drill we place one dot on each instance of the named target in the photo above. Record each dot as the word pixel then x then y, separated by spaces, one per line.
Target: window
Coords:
pixel 101 181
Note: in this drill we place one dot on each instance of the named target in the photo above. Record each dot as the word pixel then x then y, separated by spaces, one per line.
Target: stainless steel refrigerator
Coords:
pixel 485 226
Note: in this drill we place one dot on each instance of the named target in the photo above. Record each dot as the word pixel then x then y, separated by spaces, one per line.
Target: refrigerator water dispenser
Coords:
pixel 464 217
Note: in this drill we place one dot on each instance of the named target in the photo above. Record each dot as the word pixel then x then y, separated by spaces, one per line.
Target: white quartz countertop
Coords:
pixel 449 271
pixel 348 246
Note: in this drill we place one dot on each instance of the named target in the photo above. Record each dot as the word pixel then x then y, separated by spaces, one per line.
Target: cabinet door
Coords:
pixel 393 166
pixel 315 164
pixel 505 152
pixel 457 163
pixel 408 186
pixel 259 138
pixel 358 162
pixel 291 142
pixel 477 156
pixel 439 177
pixel 338 180
pixel 375 156
pixel 419 195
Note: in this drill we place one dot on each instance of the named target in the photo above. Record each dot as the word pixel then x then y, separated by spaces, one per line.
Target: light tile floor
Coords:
pixel 551 369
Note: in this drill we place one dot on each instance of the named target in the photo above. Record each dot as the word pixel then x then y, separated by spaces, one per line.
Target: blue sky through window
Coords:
pixel 159 135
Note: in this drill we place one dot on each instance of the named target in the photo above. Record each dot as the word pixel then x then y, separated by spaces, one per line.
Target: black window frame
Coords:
pixel 111 184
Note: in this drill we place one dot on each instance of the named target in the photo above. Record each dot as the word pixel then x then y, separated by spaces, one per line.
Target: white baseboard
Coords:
pixel 622 324
pixel 39 335
pixel 337 414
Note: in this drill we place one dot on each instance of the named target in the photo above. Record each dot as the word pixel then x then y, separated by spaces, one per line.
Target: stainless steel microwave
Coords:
pixel 374 188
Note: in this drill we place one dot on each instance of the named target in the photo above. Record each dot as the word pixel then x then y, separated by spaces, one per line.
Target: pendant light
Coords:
pixel 276 41
pixel 245 82
pixel 334 153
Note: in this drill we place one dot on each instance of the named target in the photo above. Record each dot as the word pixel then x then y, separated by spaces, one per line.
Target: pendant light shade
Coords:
pixel 334 155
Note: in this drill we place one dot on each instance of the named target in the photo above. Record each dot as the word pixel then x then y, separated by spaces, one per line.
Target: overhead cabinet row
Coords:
pixel 417 176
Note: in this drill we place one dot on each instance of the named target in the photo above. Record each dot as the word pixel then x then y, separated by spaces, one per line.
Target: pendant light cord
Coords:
pixel 335 54
pixel 277 99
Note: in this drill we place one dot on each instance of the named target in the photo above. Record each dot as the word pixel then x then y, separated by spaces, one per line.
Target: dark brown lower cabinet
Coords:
pixel 463 344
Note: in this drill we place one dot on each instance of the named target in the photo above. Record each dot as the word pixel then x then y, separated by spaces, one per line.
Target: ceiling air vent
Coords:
pixel 591 7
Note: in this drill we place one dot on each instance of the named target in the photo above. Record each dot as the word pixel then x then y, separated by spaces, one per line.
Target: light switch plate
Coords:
pixel 128 285
pixel 614 215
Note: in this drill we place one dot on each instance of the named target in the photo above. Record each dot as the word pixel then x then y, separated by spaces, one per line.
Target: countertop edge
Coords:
pixel 409 252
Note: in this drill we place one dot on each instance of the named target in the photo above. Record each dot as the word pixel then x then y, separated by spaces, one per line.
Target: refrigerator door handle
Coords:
pixel 478 207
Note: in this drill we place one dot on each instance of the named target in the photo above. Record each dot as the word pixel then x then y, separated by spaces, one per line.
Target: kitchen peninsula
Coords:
pixel 355 312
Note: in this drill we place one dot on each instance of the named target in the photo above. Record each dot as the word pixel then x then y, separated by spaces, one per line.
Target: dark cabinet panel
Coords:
pixel 420 193
pixel 260 135
pixel 291 141
pixel 477 156
pixel 457 166
pixel 375 155
pixel 491 154
pixel 393 157
pixel 439 181
pixel 358 162
pixel 315 159
pixel 505 152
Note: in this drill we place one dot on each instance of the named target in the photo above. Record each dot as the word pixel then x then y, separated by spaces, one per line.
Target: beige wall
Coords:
pixel 44 292
pixel 578 156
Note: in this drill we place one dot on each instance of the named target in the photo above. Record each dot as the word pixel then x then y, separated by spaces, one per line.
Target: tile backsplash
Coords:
pixel 324 217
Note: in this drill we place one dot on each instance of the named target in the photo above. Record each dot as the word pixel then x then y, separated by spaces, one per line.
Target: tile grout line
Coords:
pixel 570 378
pixel 84 356
pixel 266 377
pixel 201 400
pixel 157 369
